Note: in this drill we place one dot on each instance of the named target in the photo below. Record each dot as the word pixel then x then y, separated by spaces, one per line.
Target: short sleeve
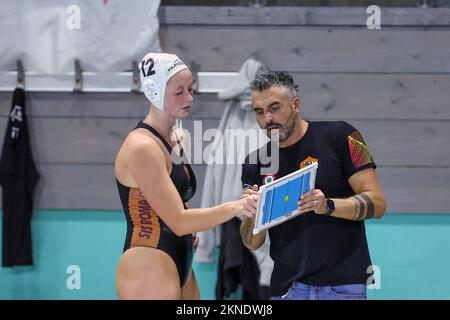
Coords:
pixel 355 153
pixel 250 173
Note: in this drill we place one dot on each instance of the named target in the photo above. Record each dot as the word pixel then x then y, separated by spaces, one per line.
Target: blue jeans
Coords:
pixel 300 291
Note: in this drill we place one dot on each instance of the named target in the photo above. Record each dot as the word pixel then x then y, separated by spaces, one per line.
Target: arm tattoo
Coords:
pixel 370 205
pixel 363 201
pixel 362 207
pixel 356 208
pixel 247 233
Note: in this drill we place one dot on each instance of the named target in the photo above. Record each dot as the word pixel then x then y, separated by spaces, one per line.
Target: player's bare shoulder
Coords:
pixel 137 143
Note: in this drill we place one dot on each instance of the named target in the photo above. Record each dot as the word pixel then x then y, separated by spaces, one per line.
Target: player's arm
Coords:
pixel 368 201
pixel 147 165
pixel 250 240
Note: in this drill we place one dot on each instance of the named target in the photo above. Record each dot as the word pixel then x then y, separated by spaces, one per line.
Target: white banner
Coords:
pixel 105 35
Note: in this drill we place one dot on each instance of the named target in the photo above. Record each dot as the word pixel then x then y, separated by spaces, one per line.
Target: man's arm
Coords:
pixel 368 201
pixel 250 240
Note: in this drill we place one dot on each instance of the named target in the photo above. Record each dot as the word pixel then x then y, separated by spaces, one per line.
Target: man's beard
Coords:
pixel 284 131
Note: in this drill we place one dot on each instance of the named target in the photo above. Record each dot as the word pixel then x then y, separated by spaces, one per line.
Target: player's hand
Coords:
pixel 313 200
pixel 247 205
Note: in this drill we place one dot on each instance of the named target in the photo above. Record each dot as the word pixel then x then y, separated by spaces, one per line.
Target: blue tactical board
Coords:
pixel 278 199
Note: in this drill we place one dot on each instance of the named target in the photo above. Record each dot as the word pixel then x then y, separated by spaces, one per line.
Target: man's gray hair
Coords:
pixel 264 80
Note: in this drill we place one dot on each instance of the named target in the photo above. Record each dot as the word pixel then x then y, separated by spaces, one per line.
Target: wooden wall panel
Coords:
pixel 420 190
pixel 312 49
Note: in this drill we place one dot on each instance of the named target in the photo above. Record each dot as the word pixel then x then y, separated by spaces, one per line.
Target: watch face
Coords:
pixel 330 204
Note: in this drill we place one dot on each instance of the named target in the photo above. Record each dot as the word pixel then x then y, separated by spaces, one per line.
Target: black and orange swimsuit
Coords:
pixel 146 229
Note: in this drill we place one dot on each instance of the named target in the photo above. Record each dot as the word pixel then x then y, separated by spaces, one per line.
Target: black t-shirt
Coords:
pixel 311 248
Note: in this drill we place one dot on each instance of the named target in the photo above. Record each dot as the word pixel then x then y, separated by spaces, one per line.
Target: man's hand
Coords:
pixel 313 201
pixel 249 191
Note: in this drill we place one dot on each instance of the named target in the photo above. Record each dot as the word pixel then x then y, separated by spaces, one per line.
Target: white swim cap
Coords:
pixel 155 70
